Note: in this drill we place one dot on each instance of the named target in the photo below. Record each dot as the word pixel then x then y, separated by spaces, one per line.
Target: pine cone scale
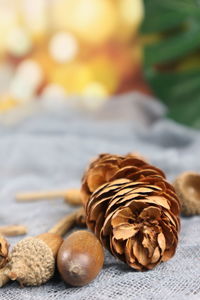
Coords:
pixel 125 231
pixel 161 242
pixel 118 247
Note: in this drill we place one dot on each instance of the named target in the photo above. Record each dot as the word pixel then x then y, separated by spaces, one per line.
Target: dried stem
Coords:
pixel 71 196
pixel 66 223
pixel 13 230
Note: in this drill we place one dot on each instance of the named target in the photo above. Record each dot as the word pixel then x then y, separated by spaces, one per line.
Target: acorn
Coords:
pixel 187 186
pixel 80 258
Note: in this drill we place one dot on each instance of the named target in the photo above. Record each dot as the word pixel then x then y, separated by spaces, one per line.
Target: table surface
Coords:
pixel 50 150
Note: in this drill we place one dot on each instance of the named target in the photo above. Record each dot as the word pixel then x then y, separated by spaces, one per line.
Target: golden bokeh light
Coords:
pixel 93 21
pixel 61 48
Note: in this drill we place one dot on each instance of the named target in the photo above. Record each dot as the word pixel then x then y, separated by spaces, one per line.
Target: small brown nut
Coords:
pixel 187 186
pixel 80 258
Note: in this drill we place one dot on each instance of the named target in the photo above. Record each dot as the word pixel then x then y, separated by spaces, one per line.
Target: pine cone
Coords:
pixel 135 213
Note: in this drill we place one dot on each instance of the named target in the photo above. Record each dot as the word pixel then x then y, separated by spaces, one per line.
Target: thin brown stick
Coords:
pixel 71 196
pixel 13 230
pixel 34 196
pixel 66 223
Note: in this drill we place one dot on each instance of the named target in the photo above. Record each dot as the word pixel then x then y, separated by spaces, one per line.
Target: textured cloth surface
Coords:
pixel 50 150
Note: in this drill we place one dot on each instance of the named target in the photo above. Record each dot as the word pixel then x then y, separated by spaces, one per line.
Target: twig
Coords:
pixel 66 223
pixel 71 196
pixel 13 230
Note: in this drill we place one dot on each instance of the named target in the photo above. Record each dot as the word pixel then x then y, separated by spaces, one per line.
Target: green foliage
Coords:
pixel 172 60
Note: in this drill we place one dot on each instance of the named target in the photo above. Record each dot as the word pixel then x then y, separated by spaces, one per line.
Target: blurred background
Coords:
pixel 54 51
pixel 83 77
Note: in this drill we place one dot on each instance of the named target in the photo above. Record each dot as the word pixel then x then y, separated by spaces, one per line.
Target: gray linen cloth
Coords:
pixel 51 148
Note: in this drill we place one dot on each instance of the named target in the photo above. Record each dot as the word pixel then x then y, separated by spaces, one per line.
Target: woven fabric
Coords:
pixel 50 150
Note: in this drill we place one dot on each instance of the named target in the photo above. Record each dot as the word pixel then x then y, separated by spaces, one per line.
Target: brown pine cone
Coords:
pixel 135 213
pixel 107 167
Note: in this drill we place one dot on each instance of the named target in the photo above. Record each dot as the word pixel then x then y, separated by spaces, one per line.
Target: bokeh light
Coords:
pixel 66 48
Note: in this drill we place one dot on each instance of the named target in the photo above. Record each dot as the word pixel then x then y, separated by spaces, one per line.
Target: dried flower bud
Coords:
pixel 3 251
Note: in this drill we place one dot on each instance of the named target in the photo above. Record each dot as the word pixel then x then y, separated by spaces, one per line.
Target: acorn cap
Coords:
pixel 187 186
pixel 33 260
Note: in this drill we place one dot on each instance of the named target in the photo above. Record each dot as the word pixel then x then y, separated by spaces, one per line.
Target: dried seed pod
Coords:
pixel 187 186
pixel 135 214
pixel 80 258
pixel 33 259
pixel 4 246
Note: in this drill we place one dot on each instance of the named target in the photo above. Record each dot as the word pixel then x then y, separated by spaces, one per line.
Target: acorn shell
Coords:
pixel 80 258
